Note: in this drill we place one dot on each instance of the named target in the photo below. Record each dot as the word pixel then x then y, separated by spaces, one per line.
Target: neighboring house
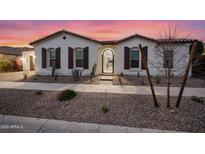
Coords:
pixel 204 50
pixel 20 56
pixel 73 51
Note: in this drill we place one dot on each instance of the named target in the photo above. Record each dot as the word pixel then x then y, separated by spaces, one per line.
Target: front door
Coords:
pixel 31 63
pixel 108 62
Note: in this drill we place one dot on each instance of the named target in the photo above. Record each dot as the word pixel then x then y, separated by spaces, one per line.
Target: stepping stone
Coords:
pixel 105 82
pixel 106 78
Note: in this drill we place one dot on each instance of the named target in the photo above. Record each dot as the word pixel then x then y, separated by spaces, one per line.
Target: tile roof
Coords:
pixel 182 40
pixel 14 50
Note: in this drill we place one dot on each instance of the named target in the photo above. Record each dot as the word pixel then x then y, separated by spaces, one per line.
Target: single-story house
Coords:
pixel 22 57
pixel 73 51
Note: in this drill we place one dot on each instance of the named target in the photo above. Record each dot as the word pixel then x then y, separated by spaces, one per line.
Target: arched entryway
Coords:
pixel 108 61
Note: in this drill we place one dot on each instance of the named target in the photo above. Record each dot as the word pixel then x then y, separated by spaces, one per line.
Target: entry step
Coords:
pixel 106 78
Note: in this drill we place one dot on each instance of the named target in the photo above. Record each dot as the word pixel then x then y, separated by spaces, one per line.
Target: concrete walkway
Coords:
pixel 145 90
pixel 17 124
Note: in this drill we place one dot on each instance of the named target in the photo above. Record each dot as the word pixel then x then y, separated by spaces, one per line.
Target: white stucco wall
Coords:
pixel 96 51
pixel 181 56
pixel 134 43
pixel 70 41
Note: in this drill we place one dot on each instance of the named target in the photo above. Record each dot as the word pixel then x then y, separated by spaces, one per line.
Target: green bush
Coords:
pixel 5 65
pixel 53 71
pixel 66 95
pixel 38 92
pixel 92 73
pixel 197 99
pixel 76 73
pixel 105 109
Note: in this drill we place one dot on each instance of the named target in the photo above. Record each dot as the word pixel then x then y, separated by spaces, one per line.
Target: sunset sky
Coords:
pixel 20 33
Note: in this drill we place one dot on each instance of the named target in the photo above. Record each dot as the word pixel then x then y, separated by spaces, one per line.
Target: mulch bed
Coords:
pixel 60 79
pixel 125 110
pixel 175 82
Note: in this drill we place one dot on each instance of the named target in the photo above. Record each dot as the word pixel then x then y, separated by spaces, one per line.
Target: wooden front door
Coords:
pixel 31 63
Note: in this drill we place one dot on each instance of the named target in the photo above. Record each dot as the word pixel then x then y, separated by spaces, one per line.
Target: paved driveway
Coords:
pixel 13 76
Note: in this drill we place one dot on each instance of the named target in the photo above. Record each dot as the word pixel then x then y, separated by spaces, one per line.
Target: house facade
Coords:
pixel 70 51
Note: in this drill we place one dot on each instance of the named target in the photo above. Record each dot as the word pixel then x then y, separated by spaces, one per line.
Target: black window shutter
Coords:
pixel 58 57
pixel 86 58
pixel 145 49
pixel 126 58
pixel 43 55
pixel 70 58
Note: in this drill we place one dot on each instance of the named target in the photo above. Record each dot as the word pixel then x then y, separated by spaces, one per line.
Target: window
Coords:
pixel 79 57
pixel 52 56
pixel 134 58
pixel 168 58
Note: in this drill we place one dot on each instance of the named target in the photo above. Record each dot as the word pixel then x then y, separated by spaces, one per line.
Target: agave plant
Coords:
pixel 53 68
pixel 92 74
pixel 76 73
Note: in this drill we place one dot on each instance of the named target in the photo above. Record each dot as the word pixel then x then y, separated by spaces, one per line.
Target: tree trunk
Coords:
pixel 148 75
pixel 168 87
pixel 193 50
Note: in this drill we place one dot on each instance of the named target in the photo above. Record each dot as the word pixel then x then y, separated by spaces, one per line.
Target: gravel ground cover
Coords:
pixel 124 110
pixel 175 82
pixel 61 79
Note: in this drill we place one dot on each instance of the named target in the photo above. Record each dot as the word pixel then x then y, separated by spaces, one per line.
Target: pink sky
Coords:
pixel 20 33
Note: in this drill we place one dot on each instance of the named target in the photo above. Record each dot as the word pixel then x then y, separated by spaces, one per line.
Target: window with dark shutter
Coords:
pixel 70 58
pixel 86 58
pixel 43 53
pixel 168 58
pixel 58 57
pixel 134 58
pixel 146 57
pixel 79 60
pixel 126 58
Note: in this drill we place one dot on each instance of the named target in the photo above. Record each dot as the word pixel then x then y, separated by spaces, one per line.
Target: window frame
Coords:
pixel 82 50
pixel 49 63
pixel 131 50
pixel 168 58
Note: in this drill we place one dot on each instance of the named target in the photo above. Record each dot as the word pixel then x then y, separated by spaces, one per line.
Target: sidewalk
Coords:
pixel 17 124
pixel 144 90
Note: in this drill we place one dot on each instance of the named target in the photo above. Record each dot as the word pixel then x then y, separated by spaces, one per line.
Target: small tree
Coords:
pixel 199 50
pixel 168 57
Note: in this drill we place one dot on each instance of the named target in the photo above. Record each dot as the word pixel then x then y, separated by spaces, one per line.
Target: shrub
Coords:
pixel 120 80
pixel 56 77
pixel 25 74
pixel 105 109
pixel 38 92
pixel 66 95
pixel 121 74
pixel 92 73
pixel 76 73
pixel 138 74
pixel 53 68
pixel 197 99
pixel 158 79
pixel 142 81
pixel 5 65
